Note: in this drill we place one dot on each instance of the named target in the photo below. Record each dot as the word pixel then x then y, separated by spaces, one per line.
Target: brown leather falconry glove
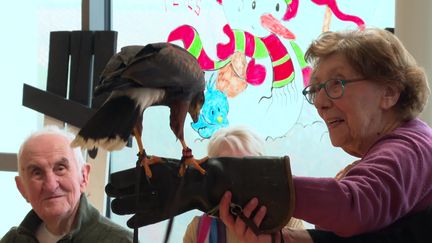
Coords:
pixel 166 194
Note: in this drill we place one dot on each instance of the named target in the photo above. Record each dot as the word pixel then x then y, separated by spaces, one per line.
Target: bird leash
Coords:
pixel 137 190
pixel 187 153
pixel 177 194
pixel 138 169
pixel 174 209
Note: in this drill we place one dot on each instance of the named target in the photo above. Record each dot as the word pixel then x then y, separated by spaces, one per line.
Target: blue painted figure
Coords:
pixel 214 112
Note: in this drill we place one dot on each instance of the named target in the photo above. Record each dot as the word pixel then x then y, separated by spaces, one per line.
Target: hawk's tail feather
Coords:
pixel 111 125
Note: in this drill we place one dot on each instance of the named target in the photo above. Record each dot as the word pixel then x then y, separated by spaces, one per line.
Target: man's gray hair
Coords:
pixel 51 129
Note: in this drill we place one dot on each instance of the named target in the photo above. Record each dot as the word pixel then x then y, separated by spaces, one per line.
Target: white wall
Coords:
pixel 414 28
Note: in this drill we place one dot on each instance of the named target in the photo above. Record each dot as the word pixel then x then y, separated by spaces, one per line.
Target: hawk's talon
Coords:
pixel 147 170
pixel 146 162
pixel 182 169
pixel 191 161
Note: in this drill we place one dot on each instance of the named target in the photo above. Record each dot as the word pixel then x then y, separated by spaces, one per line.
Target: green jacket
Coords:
pixel 91 227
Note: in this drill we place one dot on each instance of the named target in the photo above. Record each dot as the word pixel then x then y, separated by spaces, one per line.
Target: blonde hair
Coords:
pixel 379 56
pixel 54 130
pixel 237 138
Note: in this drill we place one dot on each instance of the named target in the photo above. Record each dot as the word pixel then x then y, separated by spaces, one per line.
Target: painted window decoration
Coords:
pixel 251 45
pixel 214 111
pixel 252 51
pixel 253 55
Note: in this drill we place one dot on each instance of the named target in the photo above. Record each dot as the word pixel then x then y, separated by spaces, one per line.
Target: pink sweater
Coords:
pixel 393 179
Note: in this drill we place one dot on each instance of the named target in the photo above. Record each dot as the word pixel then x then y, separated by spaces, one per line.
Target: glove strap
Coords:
pixel 237 210
pixel 173 209
pixel 138 169
pixel 137 189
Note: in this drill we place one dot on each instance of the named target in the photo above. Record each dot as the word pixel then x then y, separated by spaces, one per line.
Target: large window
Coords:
pixel 271 104
pixel 25 25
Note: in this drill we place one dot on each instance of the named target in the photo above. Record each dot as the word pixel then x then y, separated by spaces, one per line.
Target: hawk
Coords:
pixel 138 77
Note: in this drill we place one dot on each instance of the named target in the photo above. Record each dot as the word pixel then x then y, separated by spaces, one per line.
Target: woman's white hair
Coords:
pixel 237 138
pixel 55 131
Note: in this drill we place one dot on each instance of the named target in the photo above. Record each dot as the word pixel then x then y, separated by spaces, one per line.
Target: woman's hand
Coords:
pixel 245 234
pixel 237 226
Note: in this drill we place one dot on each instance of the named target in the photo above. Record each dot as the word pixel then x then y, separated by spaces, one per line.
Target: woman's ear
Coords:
pixel 390 96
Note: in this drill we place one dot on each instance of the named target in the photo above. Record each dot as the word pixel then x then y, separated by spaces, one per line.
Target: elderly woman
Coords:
pixel 369 91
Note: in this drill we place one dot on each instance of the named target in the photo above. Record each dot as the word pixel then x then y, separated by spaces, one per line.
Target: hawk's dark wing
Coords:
pixel 158 65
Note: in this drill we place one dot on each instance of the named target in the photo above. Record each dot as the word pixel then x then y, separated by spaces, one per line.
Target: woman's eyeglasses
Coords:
pixel 334 89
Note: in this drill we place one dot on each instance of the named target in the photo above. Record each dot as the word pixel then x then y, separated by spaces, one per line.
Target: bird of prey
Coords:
pixel 139 77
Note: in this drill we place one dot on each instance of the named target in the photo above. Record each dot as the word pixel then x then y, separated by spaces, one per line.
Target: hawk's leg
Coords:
pixel 188 159
pixel 145 161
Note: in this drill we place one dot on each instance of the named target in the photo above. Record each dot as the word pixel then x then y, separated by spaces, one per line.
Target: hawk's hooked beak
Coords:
pixel 197 104
pixel 195 116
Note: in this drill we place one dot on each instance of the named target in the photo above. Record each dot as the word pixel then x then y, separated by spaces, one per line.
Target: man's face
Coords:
pixel 50 180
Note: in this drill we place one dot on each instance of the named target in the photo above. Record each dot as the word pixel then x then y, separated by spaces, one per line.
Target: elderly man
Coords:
pixel 53 178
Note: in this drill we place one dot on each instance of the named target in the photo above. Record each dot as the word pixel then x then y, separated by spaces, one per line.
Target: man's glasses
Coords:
pixel 334 88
